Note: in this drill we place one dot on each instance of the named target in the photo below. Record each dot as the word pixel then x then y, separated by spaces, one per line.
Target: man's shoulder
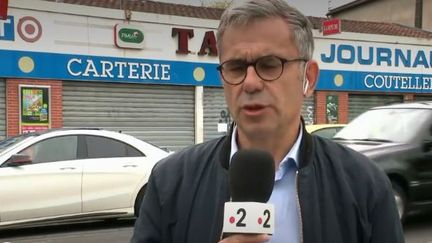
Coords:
pixel 331 147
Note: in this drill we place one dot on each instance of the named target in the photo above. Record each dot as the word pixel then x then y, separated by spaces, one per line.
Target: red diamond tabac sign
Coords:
pixel 331 26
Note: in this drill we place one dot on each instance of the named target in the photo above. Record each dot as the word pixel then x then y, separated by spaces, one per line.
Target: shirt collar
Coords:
pixel 293 153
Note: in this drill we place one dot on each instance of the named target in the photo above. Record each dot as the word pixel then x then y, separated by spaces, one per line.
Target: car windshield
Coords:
pixel 6 143
pixel 385 125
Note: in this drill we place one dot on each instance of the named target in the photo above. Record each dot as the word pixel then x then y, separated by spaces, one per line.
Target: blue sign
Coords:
pixel 7 29
pixel 376 68
pixel 40 65
pixel 24 64
pixel 374 81
pixel 378 56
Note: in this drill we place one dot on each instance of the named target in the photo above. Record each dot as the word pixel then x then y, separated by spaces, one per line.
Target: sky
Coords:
pixel 317 8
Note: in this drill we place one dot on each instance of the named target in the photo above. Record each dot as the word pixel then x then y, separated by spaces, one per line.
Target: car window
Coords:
pixel 53 149
pixel 8 142
pixel 103 147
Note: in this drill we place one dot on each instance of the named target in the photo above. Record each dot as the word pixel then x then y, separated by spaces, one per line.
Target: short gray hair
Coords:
pixel 242 14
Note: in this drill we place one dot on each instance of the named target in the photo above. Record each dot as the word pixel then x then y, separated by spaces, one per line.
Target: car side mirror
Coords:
pixel 19 159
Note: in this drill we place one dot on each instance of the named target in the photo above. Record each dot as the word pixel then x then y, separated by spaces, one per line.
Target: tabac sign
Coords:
pixel 129 36
pixel 331 26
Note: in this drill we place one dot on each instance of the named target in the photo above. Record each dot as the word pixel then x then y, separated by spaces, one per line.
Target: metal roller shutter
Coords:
pixel 308 110
pixel 423 97
pixel 214 104
pixel 2 109
pixel 361 103
pixel 160 114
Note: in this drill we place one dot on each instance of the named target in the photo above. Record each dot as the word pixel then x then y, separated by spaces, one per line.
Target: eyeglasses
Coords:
pixel 268 68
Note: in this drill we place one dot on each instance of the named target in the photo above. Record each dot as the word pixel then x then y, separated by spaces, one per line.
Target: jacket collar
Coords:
pixel 306 148
pixel 304 153
pixel 226 148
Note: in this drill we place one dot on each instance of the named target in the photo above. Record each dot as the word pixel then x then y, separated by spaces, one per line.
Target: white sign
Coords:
pixel 248 217
pixel 222 127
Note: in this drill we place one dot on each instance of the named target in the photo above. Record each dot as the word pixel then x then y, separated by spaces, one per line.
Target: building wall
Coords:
pixel 12 103
pixel 76 38
pixel 392 11
pixel 427 16
pixel 321 106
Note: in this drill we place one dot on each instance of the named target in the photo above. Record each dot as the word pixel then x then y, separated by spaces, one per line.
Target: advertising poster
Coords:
pixel 34 108
pixel 332 109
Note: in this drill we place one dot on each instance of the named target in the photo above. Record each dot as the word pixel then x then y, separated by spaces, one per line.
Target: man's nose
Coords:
pixel 252 82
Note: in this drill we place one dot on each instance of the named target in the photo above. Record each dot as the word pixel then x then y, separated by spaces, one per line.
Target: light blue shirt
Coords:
pixel 284 195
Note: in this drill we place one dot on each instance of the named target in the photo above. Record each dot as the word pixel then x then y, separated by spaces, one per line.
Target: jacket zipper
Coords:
pixel 299 209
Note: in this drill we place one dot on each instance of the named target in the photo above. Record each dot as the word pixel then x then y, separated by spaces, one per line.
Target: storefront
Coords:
pixel 216 114
pixel 142 82
pixel 422 97
pixel 363 73
pixel 154 75
pixel 359 103
pixel 160 114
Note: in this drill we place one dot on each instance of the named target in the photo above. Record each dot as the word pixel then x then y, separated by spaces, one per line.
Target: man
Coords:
pixel 323 192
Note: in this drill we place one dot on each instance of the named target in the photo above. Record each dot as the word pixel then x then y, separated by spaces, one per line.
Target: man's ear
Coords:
pixel 310 77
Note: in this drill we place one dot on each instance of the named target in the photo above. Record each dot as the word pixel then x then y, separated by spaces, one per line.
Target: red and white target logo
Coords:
pixel 29 29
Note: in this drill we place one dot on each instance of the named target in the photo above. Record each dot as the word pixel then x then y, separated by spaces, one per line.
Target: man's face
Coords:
pixel 261 108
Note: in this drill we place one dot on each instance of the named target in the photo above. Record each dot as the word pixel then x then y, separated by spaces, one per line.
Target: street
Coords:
pixel 418 229
pixel 95 232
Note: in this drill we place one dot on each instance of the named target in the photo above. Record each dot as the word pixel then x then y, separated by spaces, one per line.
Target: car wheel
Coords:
pixel 400 198
pixel 139 200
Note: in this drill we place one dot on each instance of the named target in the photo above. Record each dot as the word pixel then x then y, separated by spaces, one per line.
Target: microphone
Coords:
pixel 251 180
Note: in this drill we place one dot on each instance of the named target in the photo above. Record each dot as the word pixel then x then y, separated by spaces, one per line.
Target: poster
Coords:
pixel 34 108
pixel 332 109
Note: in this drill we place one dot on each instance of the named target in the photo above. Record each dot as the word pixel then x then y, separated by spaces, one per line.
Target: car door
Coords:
pixel 49 186
pixel 422 165
pixel 113 174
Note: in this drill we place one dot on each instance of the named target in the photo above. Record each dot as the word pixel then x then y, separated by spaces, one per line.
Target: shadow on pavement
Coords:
pixel 65 227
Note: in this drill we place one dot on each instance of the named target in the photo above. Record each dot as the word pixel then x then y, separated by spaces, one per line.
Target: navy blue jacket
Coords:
pixel 344 197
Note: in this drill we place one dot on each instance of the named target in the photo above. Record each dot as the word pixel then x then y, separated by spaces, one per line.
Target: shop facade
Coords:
pixel 363 71
pixel 154 76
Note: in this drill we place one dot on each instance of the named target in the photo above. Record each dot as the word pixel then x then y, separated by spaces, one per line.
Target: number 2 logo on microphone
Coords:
pixel 267 216
pixel 249 218
pixel 241 212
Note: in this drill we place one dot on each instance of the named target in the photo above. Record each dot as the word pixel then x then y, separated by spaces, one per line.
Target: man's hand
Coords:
pixel 246 238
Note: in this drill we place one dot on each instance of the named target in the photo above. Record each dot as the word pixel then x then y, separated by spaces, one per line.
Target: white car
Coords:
pixel 70 174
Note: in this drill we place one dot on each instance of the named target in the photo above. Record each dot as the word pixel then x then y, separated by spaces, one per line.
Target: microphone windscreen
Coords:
pixel 251 176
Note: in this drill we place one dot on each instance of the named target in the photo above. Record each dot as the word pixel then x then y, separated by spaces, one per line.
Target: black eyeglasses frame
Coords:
pixel 254 63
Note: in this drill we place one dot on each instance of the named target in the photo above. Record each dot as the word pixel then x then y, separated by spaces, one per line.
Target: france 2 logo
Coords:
pixel 248 217
pixel 28 28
